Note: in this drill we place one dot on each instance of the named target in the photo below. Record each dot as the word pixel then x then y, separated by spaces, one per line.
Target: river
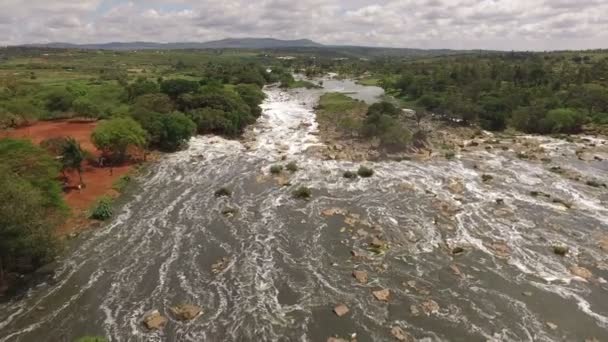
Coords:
pixel 287 265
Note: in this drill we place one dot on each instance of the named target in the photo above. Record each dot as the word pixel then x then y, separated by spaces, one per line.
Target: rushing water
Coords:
pixel 289 265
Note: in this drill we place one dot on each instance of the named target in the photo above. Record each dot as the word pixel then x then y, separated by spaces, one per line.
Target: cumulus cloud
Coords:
pixel 458 24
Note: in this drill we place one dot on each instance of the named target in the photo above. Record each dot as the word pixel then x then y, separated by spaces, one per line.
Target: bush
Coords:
pixel 175 88
pixel 168 132
pixel 276 169
pixel 349 175
pixel 102 210
pixel 292 167
pixel 450 155
pixel 302 193
pixel 365 172
pixel 223 192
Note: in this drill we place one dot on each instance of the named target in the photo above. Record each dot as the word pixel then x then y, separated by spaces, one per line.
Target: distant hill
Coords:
pixel 229 43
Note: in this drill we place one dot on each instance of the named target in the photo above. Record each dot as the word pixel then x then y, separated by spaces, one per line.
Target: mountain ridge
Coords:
pixel 228 43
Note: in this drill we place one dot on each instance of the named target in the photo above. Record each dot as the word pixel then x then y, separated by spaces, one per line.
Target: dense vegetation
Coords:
pixel 535 93
pixel 32 206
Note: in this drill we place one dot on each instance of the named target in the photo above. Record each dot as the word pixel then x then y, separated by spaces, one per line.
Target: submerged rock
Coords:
pixel 341 310
pixel 334 211
pixel 186 312
pixel 581 272
pixel 153 320
pixel 382 295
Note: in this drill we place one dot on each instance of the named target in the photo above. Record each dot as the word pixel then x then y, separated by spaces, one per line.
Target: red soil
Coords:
pixel 99 181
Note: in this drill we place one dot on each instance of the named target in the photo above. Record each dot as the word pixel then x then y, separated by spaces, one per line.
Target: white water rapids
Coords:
pixel 288 265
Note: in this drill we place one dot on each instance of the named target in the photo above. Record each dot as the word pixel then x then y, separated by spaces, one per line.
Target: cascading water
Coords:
pixel 287 264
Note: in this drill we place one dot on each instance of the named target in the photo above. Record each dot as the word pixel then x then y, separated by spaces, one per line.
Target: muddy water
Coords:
pixel 289 265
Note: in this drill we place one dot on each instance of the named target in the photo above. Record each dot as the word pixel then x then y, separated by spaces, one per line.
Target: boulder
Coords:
pixel 186 312
pixel 341 310
pixel 382 295
pixel 153 320
pixel 361 276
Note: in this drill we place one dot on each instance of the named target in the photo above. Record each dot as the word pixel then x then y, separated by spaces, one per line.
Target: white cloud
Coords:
pixel 489 24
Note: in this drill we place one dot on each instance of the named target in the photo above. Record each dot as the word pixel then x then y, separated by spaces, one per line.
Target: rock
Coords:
pixel 581 272
pixel 377 243
pixel 401 335
pixel 501 249
pixel 603 243
pixel 186 312
pixel 40 308
pixel 500 201
pixel 361 276
pixel 429 307
pixel 486 178
pixel 362 233
pixel 561 250
pixel 552 326
pixel 382 295
pixel 341 310
pixel 527 293
pixel 220 265
pixel 153 320
pixel 334 211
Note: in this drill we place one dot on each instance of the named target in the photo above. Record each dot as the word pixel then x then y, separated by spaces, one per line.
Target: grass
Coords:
pixel 365 172
pixel 121 183
pixel 102 210
pixel 349 175
pixel 292 167
pixel 276 169
pixel 302 193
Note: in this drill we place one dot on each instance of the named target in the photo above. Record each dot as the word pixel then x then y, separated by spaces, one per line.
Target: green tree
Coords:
pixel 115 136
pixel 73 156
pixel 59 100
pixel 141 86
pixel 158 102
pixel 176 87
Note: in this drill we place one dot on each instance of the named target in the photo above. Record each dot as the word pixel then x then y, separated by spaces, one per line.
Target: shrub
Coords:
pixel 223 192
pixel 450 155
pixel 365 172
pixel 302 193
pixel 122 183
pixel 349 174
pixel 276 169
pixel 486 178
pixel 102 210
pixel 292 167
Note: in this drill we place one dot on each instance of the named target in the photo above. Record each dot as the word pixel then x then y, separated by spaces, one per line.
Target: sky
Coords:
pixel 453 24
